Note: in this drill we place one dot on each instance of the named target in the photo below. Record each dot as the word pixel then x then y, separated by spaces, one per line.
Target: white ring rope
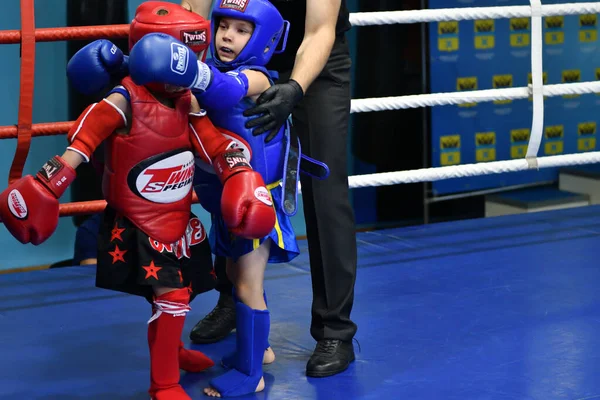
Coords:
pixel 468 13
pixel 474 96
pixel 537 90
pixel 465 170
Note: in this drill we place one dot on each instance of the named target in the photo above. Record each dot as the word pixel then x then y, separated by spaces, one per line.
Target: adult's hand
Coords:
pixel 274 107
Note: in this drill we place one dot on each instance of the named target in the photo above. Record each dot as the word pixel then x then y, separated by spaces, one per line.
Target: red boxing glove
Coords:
pixel 246 204
pixel 29 206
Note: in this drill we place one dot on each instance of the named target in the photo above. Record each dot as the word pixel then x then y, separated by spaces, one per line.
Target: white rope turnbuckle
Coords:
pixel 537 83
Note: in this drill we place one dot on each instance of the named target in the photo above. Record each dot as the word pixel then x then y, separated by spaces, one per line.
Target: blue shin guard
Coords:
pixel 229 360
pixel 251 339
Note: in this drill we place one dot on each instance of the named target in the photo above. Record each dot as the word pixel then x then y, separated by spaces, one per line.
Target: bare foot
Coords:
pixel 269 356
pixel 213 393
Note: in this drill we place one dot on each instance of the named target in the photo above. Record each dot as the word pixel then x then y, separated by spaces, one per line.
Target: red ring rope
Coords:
pixel 44 129
pixel 91 207
pixel 69 33
pixel 25 130
pixel 26 91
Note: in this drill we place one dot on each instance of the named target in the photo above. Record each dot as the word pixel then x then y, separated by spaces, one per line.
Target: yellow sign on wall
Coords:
pixel 485 146
pixel 466 84
pixel 554 34
pixel 586 132
pixel 519 36
pixel 519 139
pixel 554 135
pixel 450 150
pixel 588 29
pixel 484 34
pixel 448 36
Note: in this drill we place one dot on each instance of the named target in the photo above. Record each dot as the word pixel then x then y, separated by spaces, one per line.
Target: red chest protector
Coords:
pixel 149 172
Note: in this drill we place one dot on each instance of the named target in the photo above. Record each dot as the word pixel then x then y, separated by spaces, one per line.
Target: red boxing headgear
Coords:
pixel 173 20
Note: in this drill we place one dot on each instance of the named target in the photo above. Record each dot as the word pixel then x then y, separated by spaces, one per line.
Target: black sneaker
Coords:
pixel 217 324
pixel 330 357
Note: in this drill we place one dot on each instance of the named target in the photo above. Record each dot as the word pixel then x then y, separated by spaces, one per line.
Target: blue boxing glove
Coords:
pixel 160 58
pixel 90 70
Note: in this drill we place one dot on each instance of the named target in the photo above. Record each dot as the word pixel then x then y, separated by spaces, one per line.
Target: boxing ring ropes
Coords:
pixel 29 35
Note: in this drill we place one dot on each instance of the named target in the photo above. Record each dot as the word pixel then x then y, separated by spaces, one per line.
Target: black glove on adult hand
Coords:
pixel 275 104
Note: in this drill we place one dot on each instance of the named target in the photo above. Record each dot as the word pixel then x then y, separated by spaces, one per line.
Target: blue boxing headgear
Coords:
pixel 269 27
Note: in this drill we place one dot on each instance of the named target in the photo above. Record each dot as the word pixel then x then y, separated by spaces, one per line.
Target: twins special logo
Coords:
pixel 194 38
pixel 17 205
pixel 586 128
pixel 238 5
pixel 179 58
pixel 554 132
pixel 165 178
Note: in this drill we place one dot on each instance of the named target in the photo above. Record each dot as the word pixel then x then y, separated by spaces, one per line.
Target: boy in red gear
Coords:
pixel 150 244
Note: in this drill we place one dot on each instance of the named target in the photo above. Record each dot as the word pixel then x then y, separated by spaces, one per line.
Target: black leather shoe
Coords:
pixel 217 324
pixel 329 358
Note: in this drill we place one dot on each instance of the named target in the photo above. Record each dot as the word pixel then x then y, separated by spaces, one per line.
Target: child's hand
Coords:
pixel 194 105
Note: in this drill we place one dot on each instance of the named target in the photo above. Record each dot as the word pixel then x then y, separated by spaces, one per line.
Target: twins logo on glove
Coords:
pixel 262 194
pixel 17 205
pixel 180 59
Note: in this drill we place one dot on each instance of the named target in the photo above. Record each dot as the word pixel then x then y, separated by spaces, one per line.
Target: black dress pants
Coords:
pixel 321 121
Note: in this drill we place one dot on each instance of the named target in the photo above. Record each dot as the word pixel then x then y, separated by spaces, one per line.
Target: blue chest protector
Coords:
pixel 265 158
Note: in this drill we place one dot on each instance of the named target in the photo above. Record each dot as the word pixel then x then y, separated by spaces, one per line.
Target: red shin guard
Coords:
pixel 189 360
pixel 164 338
pixel 193 360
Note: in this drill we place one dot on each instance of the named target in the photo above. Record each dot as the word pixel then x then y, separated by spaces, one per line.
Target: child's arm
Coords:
pixel 97 122
pixel 29 206
pixel 257 83
pixel 246 204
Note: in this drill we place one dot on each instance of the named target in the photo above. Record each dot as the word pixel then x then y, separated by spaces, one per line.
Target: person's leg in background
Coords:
pixel 219 323
pixel 221 320
pixel 86 241
pixel 321 121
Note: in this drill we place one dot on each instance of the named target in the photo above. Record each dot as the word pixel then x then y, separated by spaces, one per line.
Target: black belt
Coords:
pixel 293 162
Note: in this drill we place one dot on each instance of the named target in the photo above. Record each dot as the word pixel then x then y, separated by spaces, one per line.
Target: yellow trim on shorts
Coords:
pixel 273 185
pixel 280 243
